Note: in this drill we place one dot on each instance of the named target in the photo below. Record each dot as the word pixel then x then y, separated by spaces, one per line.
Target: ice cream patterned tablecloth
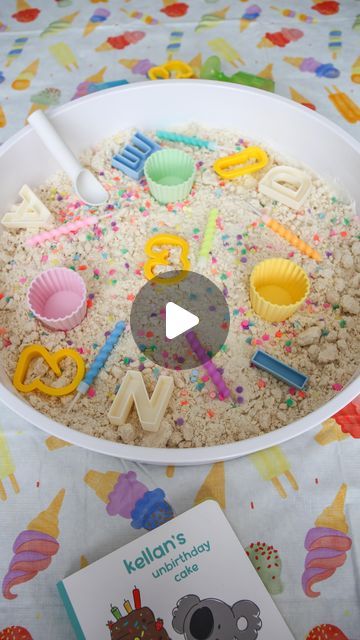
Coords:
pixel 296 508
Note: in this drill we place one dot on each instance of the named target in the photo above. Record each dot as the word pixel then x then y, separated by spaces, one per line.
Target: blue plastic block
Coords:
pixel 279 369
pixel 132 158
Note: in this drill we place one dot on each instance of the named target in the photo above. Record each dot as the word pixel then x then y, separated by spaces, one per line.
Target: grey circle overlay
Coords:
pixel 195 293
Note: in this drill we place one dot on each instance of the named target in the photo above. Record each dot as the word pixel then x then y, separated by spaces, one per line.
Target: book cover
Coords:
pixel 190 579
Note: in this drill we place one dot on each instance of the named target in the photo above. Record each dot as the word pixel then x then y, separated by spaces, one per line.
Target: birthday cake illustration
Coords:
pixel 139 622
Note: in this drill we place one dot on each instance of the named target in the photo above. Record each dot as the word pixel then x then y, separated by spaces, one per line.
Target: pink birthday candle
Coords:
pixel 208 365
pixel 53 234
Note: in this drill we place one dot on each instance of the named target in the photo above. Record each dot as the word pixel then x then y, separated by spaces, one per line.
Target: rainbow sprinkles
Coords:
pixel 226 398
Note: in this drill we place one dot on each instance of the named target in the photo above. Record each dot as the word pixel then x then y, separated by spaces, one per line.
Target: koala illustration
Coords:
pixel 212 619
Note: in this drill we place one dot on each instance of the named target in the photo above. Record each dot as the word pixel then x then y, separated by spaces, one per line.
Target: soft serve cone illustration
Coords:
pixel 34 547
pixel 124 495
pixel 327 544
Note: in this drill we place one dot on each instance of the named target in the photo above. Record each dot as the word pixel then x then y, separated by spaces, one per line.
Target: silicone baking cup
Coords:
pixel 57 297
pixel 170 174
pixel 278 287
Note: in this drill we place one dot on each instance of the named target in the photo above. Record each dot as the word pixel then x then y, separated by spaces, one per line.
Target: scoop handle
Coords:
pixel 292 239
pixel 55 144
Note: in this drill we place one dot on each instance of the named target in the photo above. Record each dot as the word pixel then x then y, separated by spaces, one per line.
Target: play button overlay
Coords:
pixel 176 317
pixel 178 320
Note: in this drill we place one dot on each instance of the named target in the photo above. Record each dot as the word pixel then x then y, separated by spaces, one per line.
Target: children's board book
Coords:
pixel 190 579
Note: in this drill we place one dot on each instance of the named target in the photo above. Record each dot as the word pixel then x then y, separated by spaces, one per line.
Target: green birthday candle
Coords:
pixel 208 238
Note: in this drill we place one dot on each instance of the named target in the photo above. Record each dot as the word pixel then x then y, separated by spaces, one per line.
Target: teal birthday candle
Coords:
pixel 192 141
pixel 208 238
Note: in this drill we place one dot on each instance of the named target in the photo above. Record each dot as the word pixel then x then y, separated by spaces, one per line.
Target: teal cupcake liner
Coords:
pixel 170 174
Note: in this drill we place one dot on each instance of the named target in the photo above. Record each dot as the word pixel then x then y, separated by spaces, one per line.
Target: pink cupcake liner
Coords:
pixel 57 297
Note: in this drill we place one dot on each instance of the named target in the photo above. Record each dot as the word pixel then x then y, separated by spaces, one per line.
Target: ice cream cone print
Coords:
pixel 47 521
pixel 272 463
pixel 102 483
pixel 330 432
pixel 297 97
pixel 7 467
pixel 2 117
pixel 121 41
pixel 344 104
pixel 98 76
pixel 251 14
pixel 327 544
pixel 34 547
pixel 26 76
pixel 226 51
pixel 57 26
pixel 129 63
pixel 213 487
pixel 105 46
pixel 124 495
pixel 99 16
pixel 174 9
pixel 280 38
pixel 196 64
pixel 264 42
pixel 267 72
pixel 321 70
pixel 210 20
pixel 44 99
pixel 53 443
pixel 348 418
pixel 64 55
pixel 326 7
pixel 137 65
pixel 295 62
pixel 24 12
pixel 355 71
pixel 333 516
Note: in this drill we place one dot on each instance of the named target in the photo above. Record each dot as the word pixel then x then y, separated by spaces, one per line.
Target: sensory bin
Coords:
pixel 320 340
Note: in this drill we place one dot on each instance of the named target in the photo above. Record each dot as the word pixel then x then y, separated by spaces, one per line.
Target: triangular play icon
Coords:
pixel 178 320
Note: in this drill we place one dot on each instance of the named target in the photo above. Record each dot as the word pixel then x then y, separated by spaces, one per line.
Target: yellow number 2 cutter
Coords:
pixel 33 351
pixel 247 161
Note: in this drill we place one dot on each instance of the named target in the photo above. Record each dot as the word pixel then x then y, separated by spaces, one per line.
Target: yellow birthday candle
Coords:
pixel 26 76
pixel 57 26
pixel 210 20
pixel 64 55
pixel 226 51
pixel 7 467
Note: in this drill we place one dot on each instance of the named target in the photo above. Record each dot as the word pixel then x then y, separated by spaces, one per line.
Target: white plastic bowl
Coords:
pixel 286 126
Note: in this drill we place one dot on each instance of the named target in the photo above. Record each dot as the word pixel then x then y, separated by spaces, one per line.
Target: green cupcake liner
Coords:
pixel 170 174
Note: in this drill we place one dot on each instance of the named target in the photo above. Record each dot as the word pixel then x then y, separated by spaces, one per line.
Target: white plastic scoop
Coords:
pixel 87 187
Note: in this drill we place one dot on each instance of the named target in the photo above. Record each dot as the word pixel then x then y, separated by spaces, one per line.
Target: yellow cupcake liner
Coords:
pixel 278 287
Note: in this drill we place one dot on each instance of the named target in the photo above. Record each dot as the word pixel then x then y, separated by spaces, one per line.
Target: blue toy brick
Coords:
pixel 279 369
pixel 132 158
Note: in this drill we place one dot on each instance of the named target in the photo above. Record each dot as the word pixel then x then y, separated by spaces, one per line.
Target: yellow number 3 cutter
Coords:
pixel 33 351
pixel 247 161
pixel 162 257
